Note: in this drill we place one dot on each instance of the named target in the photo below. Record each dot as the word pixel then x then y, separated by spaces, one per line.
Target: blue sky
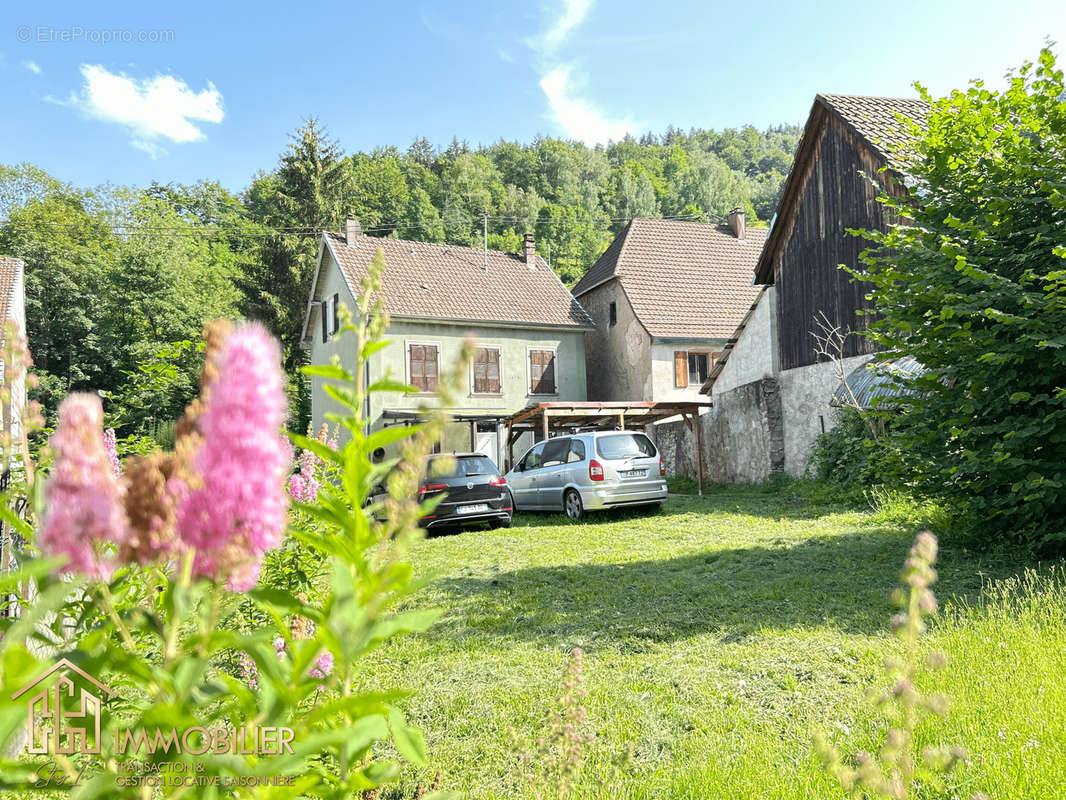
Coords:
pixel 213 90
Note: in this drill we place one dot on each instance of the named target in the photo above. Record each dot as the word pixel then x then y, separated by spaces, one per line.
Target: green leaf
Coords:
pixel 408 740
pixel 329 371
pixel 387 436
pixel 323 451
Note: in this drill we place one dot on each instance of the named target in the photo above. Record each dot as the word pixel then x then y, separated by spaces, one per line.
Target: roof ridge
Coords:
pixel 444 246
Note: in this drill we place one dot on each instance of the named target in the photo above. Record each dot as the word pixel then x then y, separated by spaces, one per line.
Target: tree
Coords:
pixel 973 285
pixel 302 198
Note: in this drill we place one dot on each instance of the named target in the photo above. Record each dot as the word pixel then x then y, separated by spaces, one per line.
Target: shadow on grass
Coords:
pixel 839 581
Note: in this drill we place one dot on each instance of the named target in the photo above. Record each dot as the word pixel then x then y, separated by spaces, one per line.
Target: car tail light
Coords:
pixel 501 481
pixel 595 470
pixel 662 467
pixel 429 488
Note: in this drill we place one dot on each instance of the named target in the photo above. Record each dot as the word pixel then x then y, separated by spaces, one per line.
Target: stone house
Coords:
pixel 666 297
pixel 529 331
pixel 771 389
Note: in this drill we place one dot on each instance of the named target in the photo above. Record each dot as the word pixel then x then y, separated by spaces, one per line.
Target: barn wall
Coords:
pixel 617 357
pixel 835 197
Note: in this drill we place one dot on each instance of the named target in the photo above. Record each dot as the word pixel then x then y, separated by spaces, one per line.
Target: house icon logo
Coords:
pixel 54 729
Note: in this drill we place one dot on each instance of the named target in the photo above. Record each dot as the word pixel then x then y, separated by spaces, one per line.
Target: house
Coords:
pixel 529 331
pixel 666 296
pixel 772 389
pixel 13 311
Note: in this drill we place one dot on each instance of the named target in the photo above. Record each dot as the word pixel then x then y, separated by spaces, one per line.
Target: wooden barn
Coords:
pixel 772 390
pixel 846 143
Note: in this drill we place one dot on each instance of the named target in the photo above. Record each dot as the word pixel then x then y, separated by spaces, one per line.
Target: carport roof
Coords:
pixel 636 414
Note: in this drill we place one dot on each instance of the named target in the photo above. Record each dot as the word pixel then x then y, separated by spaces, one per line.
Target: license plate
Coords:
pixel 634 473
pixel 473 509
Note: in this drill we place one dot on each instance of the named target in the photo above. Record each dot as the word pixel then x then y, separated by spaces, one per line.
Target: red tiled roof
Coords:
pixel 9 272
pixel 683 279
pixel 447 282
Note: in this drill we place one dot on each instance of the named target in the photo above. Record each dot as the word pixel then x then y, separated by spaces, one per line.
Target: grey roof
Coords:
pixel 683 279
pixel 876 384
pixel 447 282
pixel 875 118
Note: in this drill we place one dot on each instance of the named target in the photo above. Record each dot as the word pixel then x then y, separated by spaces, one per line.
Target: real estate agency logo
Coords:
pixel 57 730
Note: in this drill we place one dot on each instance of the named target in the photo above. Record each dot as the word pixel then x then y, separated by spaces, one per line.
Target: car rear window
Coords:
pixel 624 445
pixel 464 466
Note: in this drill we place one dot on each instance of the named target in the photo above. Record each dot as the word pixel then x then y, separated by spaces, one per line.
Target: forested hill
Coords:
pixel 574 198
pixel 120 280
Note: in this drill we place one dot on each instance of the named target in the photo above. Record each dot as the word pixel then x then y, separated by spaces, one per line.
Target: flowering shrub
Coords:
pixel 142 581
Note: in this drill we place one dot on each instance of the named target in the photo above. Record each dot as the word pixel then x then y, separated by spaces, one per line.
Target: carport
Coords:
pixel 544 419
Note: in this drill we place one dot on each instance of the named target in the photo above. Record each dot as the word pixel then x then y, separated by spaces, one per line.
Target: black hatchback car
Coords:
pixel 473 489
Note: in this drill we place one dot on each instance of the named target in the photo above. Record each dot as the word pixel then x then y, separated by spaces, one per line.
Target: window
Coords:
pixel 577 451
pixel 624 445
pixel 542 372
pixel 330 319
pixel 532 459
pixel 463 467
pixel 691 369
pixel 555 452
pixel 422 366
pixel 487 370
pixel 697 368
pixel 613 313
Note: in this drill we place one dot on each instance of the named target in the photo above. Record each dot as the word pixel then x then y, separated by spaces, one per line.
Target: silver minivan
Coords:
pixel 588 471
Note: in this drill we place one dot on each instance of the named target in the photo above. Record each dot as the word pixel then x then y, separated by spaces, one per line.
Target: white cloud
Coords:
pixel 579 117
pixel 154 110
pixel 32 67
pixel 573 15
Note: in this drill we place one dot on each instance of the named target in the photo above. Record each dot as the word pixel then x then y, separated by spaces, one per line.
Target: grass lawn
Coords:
pixel 719 635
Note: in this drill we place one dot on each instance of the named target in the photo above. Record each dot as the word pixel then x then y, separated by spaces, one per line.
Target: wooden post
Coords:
pixel 699 451
pixel 544 424
pixel 621 420
pixel 473 436
pixel 510 446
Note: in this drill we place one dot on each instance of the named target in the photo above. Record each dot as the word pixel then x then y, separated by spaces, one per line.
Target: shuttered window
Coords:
pixel 487 371
pixel 680 369
pixel 422 365
pixel 542 372
pixel 336 317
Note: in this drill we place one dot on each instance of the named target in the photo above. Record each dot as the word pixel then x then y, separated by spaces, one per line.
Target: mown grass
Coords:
pixel 719 635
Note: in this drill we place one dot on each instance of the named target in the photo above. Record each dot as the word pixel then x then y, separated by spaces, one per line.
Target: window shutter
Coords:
pixel 487 371
pixel 323 308
pixel 542 372
pixel 680 369
pixel 430 365
pixel 336 317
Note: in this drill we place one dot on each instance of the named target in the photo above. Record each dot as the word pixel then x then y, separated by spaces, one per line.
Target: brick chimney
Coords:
pixel 352 229
pixel 531 251
pixel 736 222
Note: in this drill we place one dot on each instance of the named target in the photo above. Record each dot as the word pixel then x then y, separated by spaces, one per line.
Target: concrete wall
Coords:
pixel 618 356
pixel 805 395
pixel 743 441
pixel 752 357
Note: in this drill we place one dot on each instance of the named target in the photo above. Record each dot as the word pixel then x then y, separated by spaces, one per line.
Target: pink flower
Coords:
pixel 323 667
pixel 279 646
pixel 111 447
pixel 239 512
pixel 249 671
pixel 85 516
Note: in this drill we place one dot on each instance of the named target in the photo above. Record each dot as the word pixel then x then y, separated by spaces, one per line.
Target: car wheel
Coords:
pixel 573 506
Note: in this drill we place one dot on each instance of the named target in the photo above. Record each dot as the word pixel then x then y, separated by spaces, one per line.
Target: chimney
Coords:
pixel 531 251
pixel 352 230
pixel 736 222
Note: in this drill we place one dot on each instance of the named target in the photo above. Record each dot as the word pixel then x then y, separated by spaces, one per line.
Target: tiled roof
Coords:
pixel 683 279
pixel 874 118
pixel 447 282
pixel 9 272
